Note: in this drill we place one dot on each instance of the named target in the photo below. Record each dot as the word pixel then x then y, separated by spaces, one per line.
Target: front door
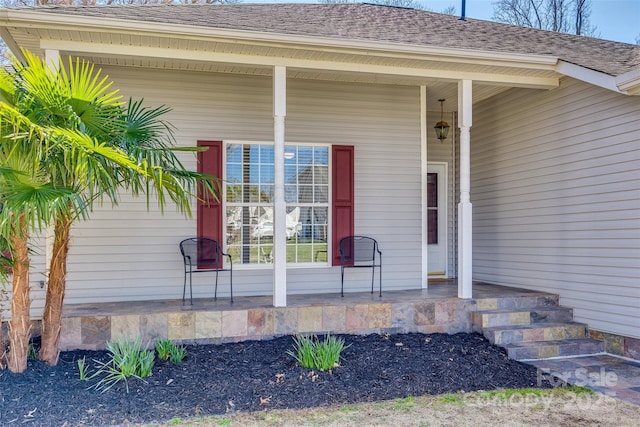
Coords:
pixel 437 219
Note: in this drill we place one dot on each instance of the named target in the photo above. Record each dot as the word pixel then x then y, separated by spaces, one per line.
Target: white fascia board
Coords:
pixel 84 23
pixel 589 76
pixel 629 82
pixel 266 61
pixel 11 43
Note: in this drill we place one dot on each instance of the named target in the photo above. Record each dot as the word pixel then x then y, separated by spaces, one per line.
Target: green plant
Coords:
pixel 83 369
pixel 169 350
pixel 32 352
pixel 128 359
pixel 323 355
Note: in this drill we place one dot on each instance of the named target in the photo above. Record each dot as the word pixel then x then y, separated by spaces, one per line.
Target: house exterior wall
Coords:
pixel 555 190
pixel 129 253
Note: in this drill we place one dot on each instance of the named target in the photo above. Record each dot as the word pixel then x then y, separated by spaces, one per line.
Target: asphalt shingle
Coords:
pixel 379 23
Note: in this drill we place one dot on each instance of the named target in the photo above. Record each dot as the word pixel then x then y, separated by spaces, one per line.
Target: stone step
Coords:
pixel 521 316
pixel 501 335
pixel 515 302
pixel 554 348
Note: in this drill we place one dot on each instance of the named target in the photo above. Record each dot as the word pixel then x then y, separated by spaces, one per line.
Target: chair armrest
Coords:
pixel 228 256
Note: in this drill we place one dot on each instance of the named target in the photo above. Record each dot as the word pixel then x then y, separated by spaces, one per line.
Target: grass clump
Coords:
pixel 311 352
pixel 128 359
pixel 83 369
pixel 169 350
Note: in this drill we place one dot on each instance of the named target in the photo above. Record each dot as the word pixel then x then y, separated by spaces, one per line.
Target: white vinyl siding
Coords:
pixel 126 253
pixel 556 199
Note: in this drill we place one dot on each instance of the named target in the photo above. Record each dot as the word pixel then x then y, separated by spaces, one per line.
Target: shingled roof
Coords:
pixel 369 22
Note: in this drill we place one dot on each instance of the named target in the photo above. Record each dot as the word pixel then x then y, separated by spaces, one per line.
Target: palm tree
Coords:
pixel 28 202
pixel 89 146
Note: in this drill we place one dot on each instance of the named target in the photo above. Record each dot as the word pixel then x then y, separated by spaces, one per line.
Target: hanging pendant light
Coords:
pixel 442 127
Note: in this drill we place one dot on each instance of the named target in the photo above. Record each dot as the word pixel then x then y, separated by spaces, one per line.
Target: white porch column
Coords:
pixel 423 171
pixel 465 107
pixel 52 58
pixel 279 205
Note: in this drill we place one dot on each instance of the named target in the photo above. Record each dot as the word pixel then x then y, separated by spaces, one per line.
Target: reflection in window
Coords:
pixel 249 202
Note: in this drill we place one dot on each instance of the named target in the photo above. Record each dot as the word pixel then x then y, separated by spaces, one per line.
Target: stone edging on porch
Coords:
pixel 617 344
pixel 226 325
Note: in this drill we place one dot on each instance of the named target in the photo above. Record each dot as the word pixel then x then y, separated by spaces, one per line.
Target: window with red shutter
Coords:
pixel 245 227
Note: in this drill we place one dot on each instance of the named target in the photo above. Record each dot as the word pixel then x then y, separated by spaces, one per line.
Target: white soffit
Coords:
pixel 348 62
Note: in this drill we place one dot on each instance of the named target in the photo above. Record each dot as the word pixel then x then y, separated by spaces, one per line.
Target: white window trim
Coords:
pixel 292 265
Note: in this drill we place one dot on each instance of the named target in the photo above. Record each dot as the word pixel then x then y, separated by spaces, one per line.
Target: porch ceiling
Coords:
pixel 400 64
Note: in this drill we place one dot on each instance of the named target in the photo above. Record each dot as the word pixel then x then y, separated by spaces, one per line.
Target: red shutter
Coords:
pixel 342 194
pixel 210 215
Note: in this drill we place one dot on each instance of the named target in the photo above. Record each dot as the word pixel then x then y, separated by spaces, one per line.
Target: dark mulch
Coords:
pixel 258 375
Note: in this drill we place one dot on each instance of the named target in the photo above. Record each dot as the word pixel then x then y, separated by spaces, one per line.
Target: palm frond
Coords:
pixel 144 128
pixel 86 83
pixel 40 204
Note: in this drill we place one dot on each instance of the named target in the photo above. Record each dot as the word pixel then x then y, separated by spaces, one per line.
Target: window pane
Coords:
pixel 234 225
pixel 266 193
pixel 321 175
pixel 432 226
pixel 321 194
pixel 234 153
pixel 305 155
pixel 234 173
pixel 305 194
pixel 290 154
pixel 250 197
pixel 266 154
pixel 305 175
pixel 290 193
pixel 266 174
pixel 432 190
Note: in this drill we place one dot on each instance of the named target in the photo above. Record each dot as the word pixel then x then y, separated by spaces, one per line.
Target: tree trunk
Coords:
pixel 3 345
pixel 20 324
pixel 52 316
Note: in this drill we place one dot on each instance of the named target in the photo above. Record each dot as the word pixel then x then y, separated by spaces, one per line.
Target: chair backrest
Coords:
pixel 358 249
pixel 200 252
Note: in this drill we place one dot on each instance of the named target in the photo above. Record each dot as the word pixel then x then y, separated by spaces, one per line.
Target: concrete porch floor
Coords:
pixel 437 291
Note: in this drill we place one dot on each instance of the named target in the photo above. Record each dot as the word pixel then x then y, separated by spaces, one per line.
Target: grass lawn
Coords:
pixel 568 406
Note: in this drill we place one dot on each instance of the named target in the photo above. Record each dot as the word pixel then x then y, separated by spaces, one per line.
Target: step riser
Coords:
pixel 517 302
pixel 533 327
pixel 545 351
pixel 511 336
pixel 536 315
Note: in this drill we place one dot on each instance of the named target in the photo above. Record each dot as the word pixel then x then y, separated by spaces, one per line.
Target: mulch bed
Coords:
pixel 260 375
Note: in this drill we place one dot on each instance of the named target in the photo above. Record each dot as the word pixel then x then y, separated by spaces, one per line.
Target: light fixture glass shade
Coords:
pixel 442 130
pixel 442 127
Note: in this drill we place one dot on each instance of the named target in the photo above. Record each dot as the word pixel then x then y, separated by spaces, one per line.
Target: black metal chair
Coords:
pixel 360 252
pixel 202 255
